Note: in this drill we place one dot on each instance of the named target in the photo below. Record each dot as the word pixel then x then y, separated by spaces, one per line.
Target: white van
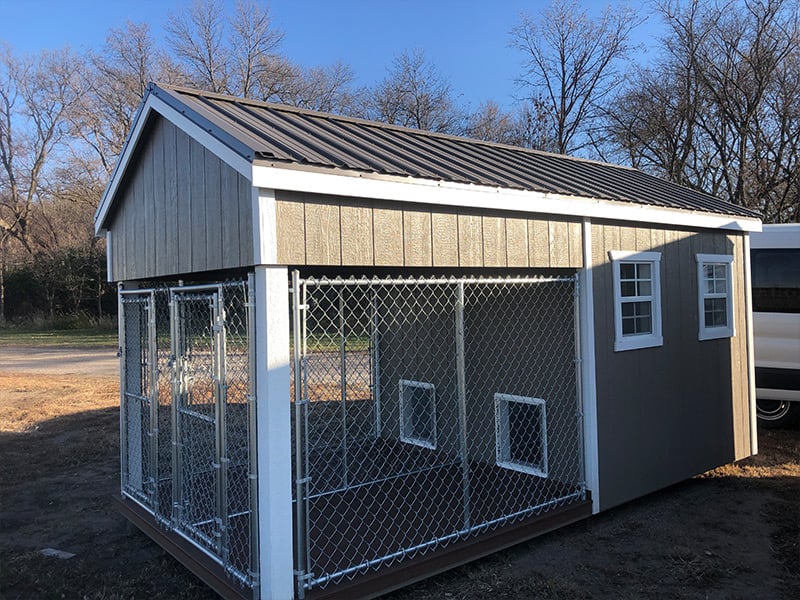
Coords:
pixel 775 262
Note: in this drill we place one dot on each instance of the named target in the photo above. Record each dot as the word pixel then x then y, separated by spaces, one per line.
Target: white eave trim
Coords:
pixel 424 191
pixel 154 104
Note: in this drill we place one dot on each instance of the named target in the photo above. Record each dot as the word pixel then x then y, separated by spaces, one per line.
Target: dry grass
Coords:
pixel 730 533
pixel 28 401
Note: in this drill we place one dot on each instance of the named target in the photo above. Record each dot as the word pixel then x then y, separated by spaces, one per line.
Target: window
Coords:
pixel 418 413
pixel 637 299
pixel 715 297
pixel 776 279
pixel 520 434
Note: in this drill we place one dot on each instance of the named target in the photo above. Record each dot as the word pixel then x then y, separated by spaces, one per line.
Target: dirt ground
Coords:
pixel 731 533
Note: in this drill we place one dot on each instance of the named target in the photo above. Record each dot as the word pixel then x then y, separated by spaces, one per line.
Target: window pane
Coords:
pixel 645 288
pixel 644 270
pixel 627 271
pixel 636 318
pixel 628 288
pixel 716 312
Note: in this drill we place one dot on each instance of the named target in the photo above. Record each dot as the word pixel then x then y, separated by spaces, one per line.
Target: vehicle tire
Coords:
pixel 777 413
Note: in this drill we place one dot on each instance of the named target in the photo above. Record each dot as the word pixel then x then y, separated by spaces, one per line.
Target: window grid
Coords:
pixel 715 296
pixel 637 299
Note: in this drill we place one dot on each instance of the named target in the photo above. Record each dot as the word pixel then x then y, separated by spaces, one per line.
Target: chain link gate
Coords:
pixel 427 411
pixel 188 416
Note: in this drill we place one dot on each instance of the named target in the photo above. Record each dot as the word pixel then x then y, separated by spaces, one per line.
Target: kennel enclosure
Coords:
pixel 354 355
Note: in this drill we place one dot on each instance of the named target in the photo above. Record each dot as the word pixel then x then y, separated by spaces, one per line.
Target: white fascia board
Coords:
pixel 154 104
pixel 425 191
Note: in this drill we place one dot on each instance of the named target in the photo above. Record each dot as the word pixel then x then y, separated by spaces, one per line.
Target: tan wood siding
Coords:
pixel 671 412
pixel 183 210
pixel 349 232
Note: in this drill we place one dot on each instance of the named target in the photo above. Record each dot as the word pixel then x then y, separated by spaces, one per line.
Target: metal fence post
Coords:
pixel 251 430
pixel 122 353
pixel 298 335
pixel 343 384
pixel 176 324
pixel 220 388
pixel 461 382
pixel 152 351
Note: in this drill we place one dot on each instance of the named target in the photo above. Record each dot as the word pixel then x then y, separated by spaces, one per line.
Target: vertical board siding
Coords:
pixel 357 242
pixel 671 412
pixel 387 234
pixel 183 210
pixel 417 240
pixel 445 239
pixel 387 238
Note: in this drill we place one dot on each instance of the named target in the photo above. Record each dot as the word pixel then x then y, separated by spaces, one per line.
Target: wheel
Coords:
pixel 777 413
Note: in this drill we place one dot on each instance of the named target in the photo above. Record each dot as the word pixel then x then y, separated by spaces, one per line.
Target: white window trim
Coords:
pixel 635 342
pixel 405 435
pixel 503 440
pixel 714 333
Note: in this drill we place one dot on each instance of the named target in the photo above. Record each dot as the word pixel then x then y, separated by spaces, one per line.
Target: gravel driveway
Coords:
pixel 60 361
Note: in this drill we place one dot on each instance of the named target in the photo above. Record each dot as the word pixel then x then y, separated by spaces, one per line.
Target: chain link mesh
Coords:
pixel 429 411
pixel 187 416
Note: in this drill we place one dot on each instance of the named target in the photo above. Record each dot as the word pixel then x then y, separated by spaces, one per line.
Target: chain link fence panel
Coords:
pixel 428 411
pixel 188 416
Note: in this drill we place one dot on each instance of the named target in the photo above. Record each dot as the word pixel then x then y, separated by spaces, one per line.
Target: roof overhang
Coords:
pixel 159 102
pixel 279 176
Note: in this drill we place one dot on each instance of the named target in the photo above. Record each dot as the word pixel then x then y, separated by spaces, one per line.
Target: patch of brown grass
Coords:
pixel 29 400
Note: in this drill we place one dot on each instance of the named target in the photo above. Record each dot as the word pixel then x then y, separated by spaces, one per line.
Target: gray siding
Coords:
pixel 335 231
pixel 668 413
pixel 181 210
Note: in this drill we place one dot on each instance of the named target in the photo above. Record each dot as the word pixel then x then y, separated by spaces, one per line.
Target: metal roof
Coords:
pixel 283 134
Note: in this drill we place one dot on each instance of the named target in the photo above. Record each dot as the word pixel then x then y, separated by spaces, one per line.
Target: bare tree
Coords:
pixel 234 54
pixel 196 36
pixel 324 88
pixel 719 110
pixel 570 62
pixel 37 94
pixel 414 94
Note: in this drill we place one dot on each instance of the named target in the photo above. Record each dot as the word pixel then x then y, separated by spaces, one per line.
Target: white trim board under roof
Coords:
pixel 284 148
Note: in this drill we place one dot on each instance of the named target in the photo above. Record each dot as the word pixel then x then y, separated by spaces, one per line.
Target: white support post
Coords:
pixel 588 375
pixel 273 433
pixel 751 364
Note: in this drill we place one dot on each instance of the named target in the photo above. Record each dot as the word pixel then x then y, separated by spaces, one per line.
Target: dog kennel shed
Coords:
pixel 354 355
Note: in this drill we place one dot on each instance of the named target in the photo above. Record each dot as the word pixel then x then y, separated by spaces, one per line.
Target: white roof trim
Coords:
pixel 154 104
pixel 424 191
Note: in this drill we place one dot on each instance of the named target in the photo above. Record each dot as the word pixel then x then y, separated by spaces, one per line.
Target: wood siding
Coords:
pixel 671 412
pixel 335 231
pixel 182 211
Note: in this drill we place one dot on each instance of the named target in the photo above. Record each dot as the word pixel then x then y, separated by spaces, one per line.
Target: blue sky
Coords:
pixel 466 39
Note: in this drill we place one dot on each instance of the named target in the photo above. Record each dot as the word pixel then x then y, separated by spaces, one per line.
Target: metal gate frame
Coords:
pixel 299 293
pixel 141 392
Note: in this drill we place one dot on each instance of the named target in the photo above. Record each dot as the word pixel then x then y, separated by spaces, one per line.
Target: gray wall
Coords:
pixel 668 413
pixel 182 210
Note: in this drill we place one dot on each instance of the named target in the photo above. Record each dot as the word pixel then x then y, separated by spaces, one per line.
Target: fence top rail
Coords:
pixel 367 281
pixel 178 289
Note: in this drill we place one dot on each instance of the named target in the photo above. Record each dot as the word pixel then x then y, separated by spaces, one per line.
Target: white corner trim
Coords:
pixel 425 191
pixel 751 363
pixel 588 375
pixel 182 122
pixel 265 237
pixel 273 446
pixel 109 263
